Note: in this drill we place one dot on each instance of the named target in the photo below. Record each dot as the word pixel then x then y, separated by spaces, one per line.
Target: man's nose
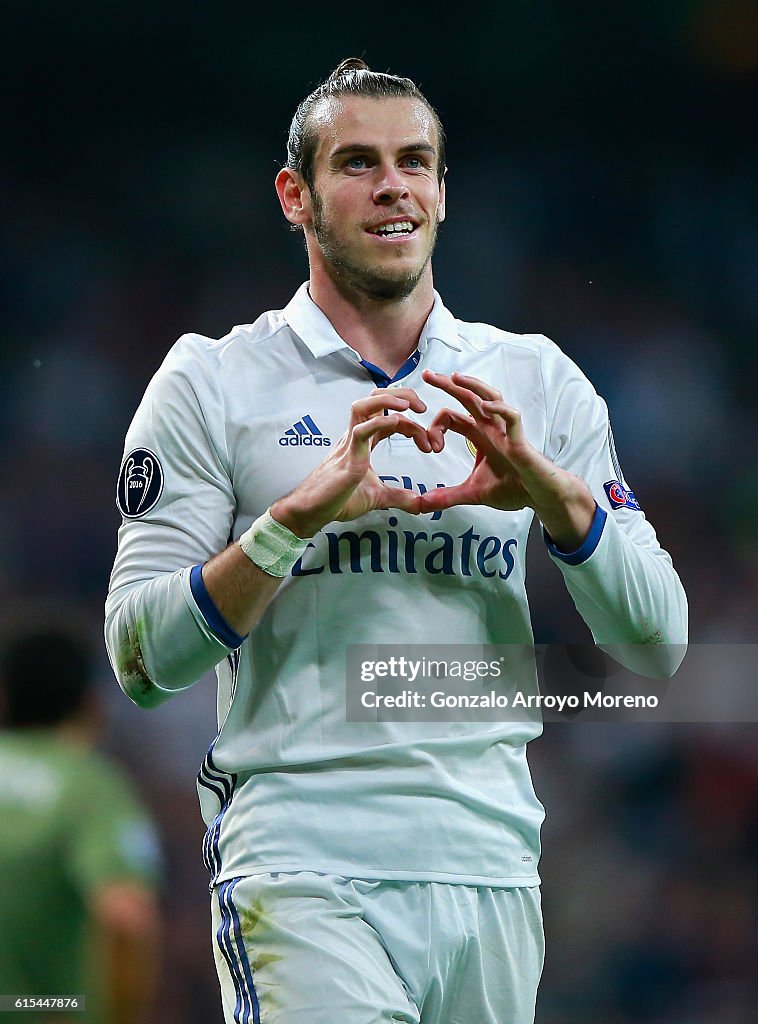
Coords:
pixel 390 190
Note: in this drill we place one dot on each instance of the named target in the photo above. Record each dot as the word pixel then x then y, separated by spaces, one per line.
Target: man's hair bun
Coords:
pixel 348 65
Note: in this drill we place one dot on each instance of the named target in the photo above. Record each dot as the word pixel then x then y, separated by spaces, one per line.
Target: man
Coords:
pixel 382 871
pixel 78 854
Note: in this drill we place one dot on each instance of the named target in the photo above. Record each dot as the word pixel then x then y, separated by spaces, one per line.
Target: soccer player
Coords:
pixel 361 467
pixel 78 853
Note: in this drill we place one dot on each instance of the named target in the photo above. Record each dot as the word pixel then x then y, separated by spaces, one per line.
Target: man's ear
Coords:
pixel 294 196
pixel 441 207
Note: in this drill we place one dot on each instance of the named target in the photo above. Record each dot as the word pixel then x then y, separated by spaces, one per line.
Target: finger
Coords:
pixel 412 398
pixel 381 398
pixel 400 497
pixel 470 402
pixel 374 405
pixel 445 497
pixel 423 443
pixel 450 419
pixel 512 417
pixel 445 383
pixel 413 430
pixel 479 387
pixel 366 435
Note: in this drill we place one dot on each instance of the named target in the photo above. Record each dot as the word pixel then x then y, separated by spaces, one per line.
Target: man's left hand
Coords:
pixel 509 473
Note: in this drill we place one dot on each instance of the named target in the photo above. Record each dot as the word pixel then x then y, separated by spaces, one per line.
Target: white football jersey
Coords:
pixel 225 428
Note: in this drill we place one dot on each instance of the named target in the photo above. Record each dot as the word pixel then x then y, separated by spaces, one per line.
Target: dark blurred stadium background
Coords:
pixel 602 190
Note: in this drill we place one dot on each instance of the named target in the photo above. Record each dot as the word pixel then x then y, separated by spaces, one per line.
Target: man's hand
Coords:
pixel 509 473
pixel 344 486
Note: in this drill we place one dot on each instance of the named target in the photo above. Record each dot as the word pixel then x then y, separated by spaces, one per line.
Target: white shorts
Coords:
pixel 309 948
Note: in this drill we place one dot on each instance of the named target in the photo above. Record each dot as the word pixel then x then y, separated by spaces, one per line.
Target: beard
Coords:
pixel 353 278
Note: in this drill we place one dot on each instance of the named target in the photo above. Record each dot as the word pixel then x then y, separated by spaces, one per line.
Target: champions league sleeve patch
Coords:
pixel 620 497
pixel 140 483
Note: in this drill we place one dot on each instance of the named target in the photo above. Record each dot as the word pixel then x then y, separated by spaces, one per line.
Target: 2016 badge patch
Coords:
pixel 620 497
pixel 140 483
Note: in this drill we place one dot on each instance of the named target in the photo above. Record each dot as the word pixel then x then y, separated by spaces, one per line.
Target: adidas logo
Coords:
pixel 304 432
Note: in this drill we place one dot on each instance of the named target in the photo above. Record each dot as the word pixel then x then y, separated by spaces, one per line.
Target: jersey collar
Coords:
pixel 314 329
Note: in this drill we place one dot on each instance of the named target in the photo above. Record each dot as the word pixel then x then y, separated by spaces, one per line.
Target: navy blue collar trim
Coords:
pixel 382 379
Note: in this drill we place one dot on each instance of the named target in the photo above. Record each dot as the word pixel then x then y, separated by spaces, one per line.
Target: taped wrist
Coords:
pixel 272 547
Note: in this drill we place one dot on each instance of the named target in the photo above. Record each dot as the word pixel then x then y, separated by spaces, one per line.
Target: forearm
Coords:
pixel 240 589
pixel 129 932
pixel 567 512
pixel 631 598
pixel 131 976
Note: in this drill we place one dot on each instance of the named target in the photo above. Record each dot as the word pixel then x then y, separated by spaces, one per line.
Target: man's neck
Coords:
pixel 384 333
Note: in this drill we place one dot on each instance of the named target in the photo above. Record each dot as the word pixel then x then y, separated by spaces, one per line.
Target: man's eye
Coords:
pixel 356 162
pixel 414 162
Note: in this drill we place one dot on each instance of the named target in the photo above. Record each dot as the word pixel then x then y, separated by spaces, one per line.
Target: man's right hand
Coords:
pixel 344 486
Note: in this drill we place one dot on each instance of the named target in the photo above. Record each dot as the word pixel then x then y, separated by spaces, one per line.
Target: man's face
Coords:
pixel 375 168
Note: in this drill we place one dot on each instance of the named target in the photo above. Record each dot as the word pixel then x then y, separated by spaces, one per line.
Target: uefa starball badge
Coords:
pixel 140 483
pixel 620 497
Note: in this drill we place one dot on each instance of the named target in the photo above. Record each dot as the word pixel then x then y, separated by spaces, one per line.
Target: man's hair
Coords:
pixel 352 77
pixel 45 678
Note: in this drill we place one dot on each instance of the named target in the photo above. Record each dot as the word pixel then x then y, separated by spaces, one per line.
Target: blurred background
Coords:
pixel 602 191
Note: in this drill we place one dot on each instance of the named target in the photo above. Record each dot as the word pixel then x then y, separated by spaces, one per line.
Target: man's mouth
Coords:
pixel 395 229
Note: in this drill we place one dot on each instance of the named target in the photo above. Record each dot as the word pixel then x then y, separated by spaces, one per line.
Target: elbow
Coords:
pixel 158 642
pixel 655 649
pixel 140 689
pixel 667 650
pixel 134 680
pixel 653 658
pixel 663 661
pixel 129 666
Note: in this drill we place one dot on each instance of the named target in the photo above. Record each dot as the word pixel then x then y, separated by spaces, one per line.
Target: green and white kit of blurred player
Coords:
pixel 382 871
pixel 72 827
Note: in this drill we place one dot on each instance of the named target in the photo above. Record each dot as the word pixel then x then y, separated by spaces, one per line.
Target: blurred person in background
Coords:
pixel 79 856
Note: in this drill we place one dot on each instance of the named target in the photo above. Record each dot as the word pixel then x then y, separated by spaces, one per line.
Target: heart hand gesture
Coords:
pixel 345 486
pixel 509 473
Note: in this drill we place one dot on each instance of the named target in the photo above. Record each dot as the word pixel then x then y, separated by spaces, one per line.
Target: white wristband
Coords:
pixel 272 547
